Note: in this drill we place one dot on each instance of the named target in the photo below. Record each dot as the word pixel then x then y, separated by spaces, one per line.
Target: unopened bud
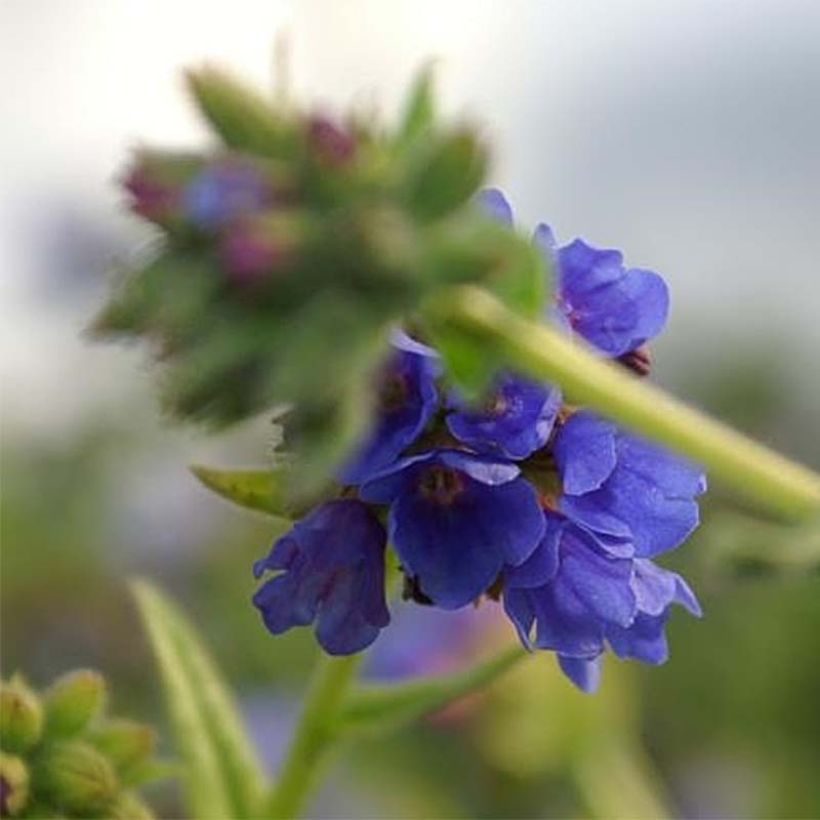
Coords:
pixel 156 182
pixel 73 701
pixel 77 777
pixel 255 250
pixel 329 142
pixel 126 743
pixel 21 717
pixel 129 807
pixel 14 785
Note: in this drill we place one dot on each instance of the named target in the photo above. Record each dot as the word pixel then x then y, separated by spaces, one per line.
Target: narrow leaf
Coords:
pixel 262 490
pixel 378 709
pixel 223 776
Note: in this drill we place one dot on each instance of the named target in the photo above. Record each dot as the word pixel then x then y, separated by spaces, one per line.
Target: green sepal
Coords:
pixel 16 784
pixel 77 778
pixel 128 745
pixel 443 174
pixel 242 118
pixel 381 709
pixel 21 716
pixel 419 111
pixel 73 702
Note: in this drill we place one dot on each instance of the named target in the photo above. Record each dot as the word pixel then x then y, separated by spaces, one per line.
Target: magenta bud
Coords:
pixel 151 197
pixel 333 145
pixel 250 253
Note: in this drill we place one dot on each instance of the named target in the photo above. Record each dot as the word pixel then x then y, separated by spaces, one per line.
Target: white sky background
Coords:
pixel 684 132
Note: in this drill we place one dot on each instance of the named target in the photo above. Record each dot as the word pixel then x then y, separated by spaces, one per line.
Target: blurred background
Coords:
pixel 683 132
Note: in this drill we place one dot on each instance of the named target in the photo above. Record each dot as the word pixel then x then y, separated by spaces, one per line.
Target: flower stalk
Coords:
pixel 314 735
pixel 779 485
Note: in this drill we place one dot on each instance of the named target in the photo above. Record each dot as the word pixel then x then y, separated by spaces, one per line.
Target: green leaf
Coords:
pixel 419 111
pixel 243 119
pixel 384 709
pixel 223 776
pixel 261 490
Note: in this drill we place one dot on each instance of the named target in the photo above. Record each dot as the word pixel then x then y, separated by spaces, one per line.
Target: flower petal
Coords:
pixel 585 452
pixel 585 673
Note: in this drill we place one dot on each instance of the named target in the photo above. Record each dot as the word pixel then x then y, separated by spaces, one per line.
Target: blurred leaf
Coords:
pixel 447 171
pixel 243 119
pixel 223 776
pixel 419 111
pixel 261 490
pixel 384 709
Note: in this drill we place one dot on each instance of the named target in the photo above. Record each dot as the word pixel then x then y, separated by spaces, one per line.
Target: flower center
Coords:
pixel 441 485
pixel 496 405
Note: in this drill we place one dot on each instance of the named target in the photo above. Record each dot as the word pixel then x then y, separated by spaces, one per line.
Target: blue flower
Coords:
pixel 332 572
pixel 614 308
pixel 221 193
pixel 579 596
pixel 456 519
pixel 408 399
pixel 515 421
pixel 624 489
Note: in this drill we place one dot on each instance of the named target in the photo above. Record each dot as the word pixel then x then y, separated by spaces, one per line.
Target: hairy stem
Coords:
pixel 777 484
pixel 314 735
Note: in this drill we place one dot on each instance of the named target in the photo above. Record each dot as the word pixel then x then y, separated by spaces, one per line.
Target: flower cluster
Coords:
pixel 524 499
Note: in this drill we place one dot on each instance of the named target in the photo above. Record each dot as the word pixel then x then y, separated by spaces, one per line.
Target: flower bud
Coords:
pixel 126 743
pixel 156 183
pixel 76 777
pixel 254 250
pixel 129 807
pixel 13 785
pixel 329 143
pixel 73 701
pixel 21 717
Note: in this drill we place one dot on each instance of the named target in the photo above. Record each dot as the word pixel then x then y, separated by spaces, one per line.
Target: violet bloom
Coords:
pixel 616 309
pixel 408 399
pixel 456 520
pixel 224 192
pixel 515 421
pixel 332 572
pixel 625 489
pixel 579 596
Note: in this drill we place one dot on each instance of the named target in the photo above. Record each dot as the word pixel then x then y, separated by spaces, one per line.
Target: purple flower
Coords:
pixel 495 205
pixel 332 572
pixel 456 519
pixel 222 193
pixel 579 596
pixel 614 308
pixel 408 399
pixel 515 421
pixel 625 489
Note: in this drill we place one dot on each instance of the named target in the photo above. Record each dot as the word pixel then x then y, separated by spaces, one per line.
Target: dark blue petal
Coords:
pixel 677 477
pixel 518 423
pixel 644 640
pixel 650 293
pixel 519 608
pixel 563 622
pixel 601 583
pixel 542 565
pixel 584 673
pixel 496 206
pixel 585 452
pixel 221 193
pixel 401 420
pixel 544 239
pixel 457 550
pixel 332 566
pixel 385 485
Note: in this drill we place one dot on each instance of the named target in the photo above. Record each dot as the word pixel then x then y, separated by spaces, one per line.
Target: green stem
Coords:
pixel 775 482
pixel 314 734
